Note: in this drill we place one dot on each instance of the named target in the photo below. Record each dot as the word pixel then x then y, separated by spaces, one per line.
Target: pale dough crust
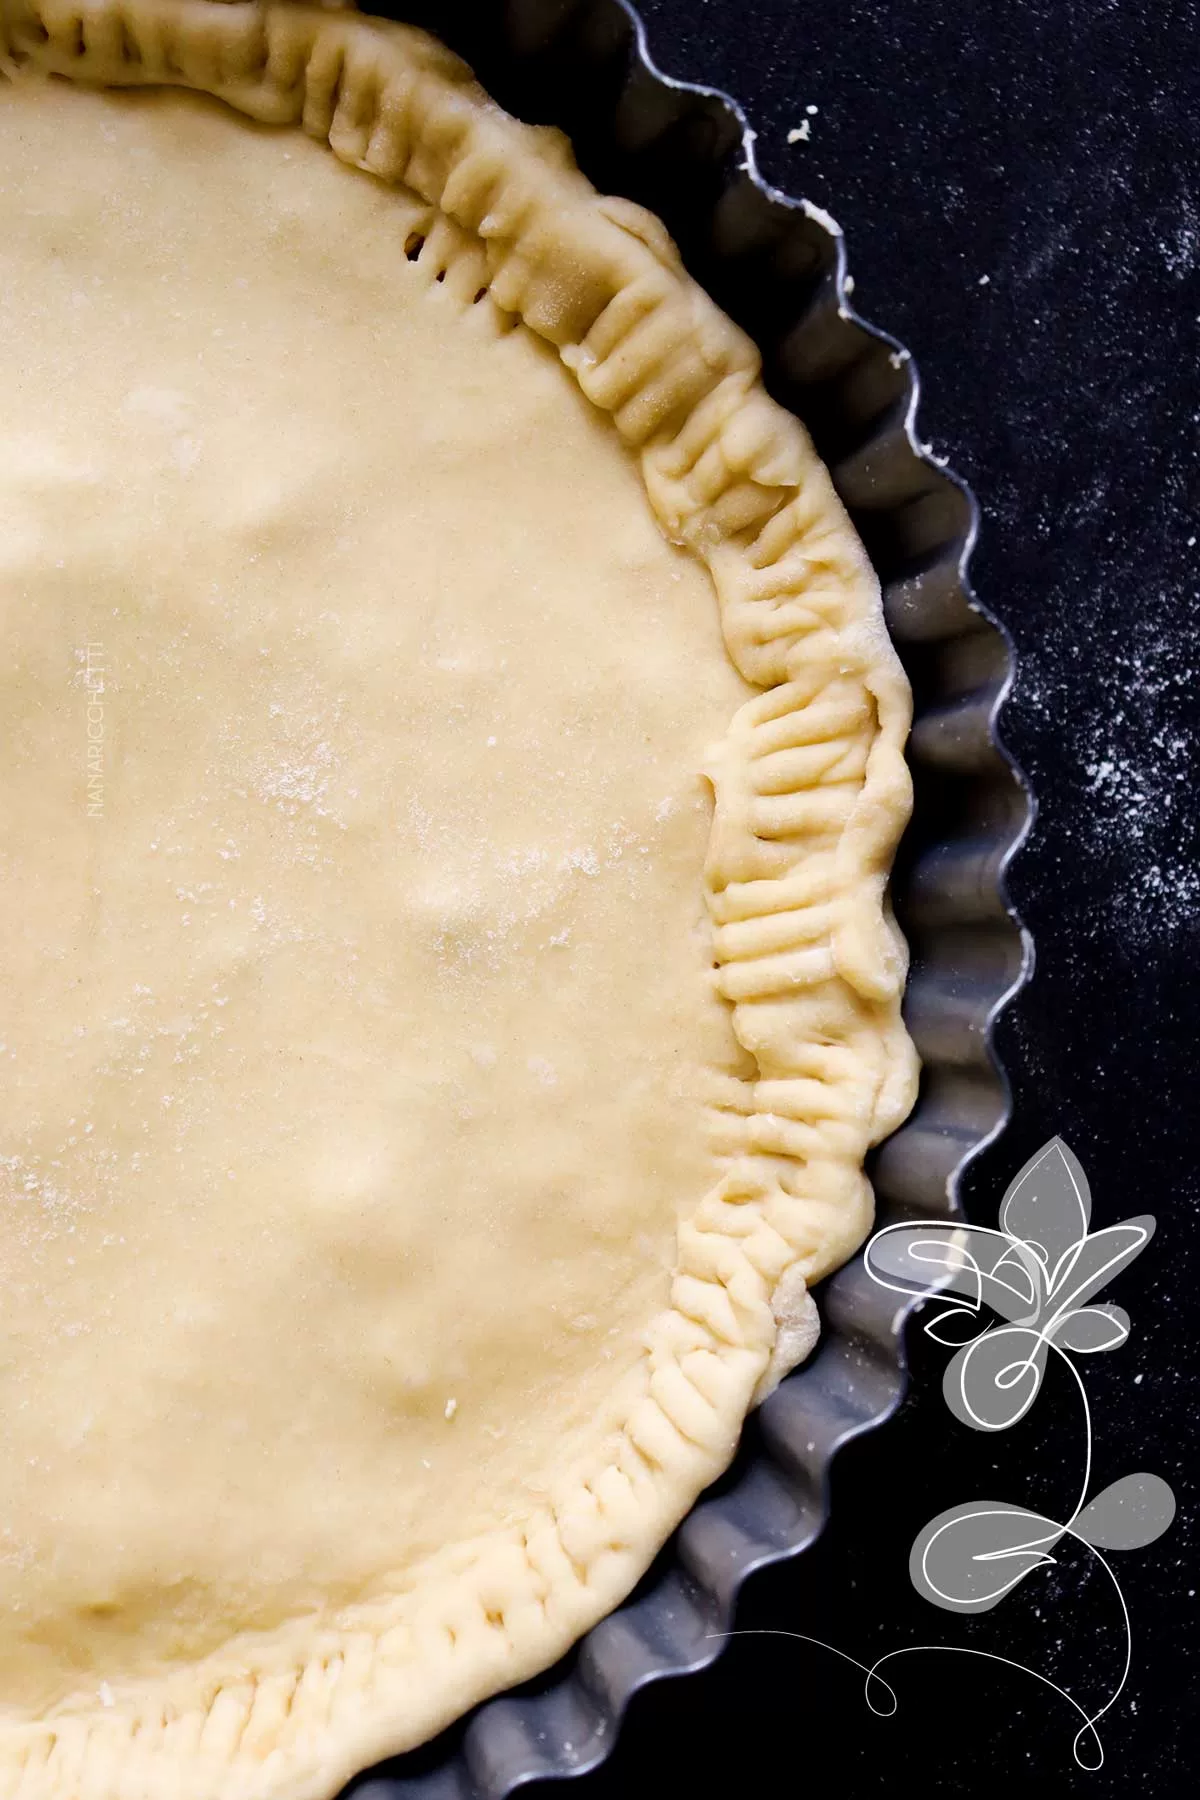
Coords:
pixel 421 1115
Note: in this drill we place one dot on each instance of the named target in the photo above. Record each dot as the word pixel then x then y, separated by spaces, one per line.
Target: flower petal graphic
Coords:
pixel 956 1326
pixel 1128 1515
pixel 1091 1264
pixel 1092 1328
pixel 975 1262
pixel 993 1382
pixel 1048 1203
pixel 970 1556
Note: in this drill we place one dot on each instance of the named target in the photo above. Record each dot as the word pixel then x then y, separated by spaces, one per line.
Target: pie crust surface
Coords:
pixel 446 1018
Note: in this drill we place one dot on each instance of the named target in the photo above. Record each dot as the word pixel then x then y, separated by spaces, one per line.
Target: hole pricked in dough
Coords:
pixel 414 243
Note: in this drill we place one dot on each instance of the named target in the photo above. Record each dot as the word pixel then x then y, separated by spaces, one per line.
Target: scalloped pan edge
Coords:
pixel 778 266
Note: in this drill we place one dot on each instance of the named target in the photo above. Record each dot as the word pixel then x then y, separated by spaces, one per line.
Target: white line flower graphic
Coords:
pixel 1037 1273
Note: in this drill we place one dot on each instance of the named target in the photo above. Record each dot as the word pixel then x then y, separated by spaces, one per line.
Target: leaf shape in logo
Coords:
pixel 1048 1203
pixel 910 1259
pixel 1092 1328
pixel 974 1261
pixel 1016 1285
pixel 1128 1515
pixel 993 1382
pixel 1091 1264
pixel 954 1327
pixel 969 1557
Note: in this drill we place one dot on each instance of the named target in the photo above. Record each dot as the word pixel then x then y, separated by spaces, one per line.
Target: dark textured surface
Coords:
pixel 1046 151
pixel 1049 149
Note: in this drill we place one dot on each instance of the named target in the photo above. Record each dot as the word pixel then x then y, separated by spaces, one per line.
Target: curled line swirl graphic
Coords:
pixel 871 1671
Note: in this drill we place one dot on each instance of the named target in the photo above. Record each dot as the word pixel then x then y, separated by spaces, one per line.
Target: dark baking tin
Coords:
pixel 778 267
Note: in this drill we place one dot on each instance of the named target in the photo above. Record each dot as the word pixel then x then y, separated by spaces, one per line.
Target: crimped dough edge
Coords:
pixel 812 792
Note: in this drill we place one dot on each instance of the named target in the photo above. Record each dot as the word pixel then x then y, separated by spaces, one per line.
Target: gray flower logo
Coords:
pixel 1037 1272
pixel 1022 1292
pixel 1037 1275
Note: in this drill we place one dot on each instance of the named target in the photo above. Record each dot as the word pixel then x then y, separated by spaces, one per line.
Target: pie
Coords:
pixel 454 760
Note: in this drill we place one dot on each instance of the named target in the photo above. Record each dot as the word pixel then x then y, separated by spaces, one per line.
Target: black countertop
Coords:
pixel 1018 188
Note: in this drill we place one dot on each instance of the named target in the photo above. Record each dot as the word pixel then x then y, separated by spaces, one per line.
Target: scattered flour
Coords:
pixel 1136 773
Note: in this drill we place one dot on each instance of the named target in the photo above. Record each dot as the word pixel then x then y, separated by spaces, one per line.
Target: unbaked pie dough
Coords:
pixel 421 1113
